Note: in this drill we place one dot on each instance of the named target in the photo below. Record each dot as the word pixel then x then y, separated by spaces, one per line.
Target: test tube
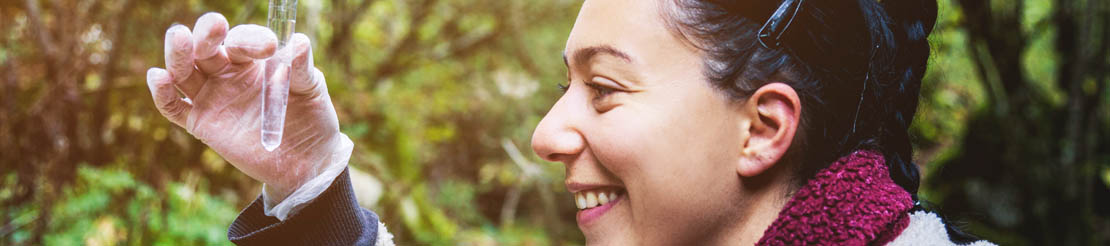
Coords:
pixel 275 82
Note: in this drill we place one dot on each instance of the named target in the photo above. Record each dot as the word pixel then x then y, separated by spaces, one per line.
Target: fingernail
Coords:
pixel 153 74
pixel 175 29
pixel 172 40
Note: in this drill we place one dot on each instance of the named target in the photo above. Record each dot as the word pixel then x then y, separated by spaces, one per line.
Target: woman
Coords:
pixel 683 123
pixel 709 120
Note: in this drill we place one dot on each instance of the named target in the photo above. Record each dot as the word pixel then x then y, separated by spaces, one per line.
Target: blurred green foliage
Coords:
pixel 106 205
pixel 441 97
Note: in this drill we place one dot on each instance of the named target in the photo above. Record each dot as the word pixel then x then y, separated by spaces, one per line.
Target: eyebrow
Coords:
pixel 584 55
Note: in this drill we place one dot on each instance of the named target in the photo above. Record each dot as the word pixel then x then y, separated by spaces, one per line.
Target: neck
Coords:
pixel 766 197
pixel 760 217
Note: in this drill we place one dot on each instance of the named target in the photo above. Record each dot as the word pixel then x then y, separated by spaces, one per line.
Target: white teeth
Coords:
pixel 579 201
pixel 590 199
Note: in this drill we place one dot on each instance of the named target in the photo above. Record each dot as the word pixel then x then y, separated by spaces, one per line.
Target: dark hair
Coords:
pixel 856 65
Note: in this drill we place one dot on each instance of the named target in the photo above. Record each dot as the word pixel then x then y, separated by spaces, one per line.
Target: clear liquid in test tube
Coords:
pixel 275 82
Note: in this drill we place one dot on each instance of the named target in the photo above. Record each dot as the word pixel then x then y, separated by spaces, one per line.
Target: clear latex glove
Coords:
pixel 221 80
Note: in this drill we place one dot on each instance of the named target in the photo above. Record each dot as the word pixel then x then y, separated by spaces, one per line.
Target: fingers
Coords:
pixel 179 60
pixel 306 80
pixel 172 106
pixel 248 42
pixel 208 35
pixel 179 52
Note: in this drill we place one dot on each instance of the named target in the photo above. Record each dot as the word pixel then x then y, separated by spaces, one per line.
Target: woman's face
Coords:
pixel 639 120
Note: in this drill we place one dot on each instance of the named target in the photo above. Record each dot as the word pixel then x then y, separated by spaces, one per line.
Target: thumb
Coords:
pixel 306 80
pixel 166 98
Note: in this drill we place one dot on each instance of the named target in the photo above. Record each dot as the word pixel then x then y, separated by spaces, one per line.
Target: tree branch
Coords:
pixel 346 21
pixel 42 35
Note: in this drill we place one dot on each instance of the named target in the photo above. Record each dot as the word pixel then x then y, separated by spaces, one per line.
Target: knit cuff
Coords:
pixel 333 218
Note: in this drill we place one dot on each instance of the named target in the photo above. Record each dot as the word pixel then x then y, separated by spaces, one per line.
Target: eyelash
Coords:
pixel 601 91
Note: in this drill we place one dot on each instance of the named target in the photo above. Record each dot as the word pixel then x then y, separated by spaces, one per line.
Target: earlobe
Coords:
pixel 771 117
pixel 753 162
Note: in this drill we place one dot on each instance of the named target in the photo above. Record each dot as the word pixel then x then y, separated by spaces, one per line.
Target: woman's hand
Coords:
pixel 221 80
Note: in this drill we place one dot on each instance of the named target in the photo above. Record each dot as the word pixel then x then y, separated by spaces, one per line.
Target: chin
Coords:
pixel 609 228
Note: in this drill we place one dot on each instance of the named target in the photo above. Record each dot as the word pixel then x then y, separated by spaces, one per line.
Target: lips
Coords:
pixel 593 203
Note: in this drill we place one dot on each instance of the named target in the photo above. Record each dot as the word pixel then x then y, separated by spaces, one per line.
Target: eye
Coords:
pixel 563 87
pixel 601 90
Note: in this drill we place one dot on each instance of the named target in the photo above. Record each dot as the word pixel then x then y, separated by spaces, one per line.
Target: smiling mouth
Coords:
pixel 595 198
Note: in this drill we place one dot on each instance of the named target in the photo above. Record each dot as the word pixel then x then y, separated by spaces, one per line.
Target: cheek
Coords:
pixel 674 163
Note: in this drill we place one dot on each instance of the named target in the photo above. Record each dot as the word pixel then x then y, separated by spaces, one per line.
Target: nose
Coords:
pixel 557 137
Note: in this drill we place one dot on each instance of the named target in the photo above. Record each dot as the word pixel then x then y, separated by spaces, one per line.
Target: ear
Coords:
pixel 772 116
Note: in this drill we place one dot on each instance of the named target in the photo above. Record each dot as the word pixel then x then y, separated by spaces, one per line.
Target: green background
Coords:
pixel 440 95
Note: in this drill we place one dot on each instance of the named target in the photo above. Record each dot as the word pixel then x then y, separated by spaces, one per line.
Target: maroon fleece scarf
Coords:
pixel 851 202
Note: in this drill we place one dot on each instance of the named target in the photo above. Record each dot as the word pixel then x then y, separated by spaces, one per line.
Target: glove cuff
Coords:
pixel 312 188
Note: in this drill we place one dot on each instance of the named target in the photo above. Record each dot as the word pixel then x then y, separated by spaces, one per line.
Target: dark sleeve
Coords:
pixel 333 218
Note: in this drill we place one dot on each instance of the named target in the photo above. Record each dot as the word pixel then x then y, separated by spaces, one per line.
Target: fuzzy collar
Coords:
pixel 851 202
